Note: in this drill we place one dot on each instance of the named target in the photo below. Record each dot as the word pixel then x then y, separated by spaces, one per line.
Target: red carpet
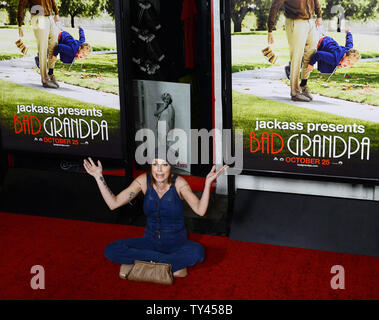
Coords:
pixel 71 253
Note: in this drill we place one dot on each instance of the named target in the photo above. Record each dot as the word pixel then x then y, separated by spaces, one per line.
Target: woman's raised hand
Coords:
pixel 93 169
pixel 213 175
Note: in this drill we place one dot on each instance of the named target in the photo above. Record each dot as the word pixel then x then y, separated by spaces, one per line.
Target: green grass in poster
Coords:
pixel 12 94
pixel 359 83
pixel 247 48
pixel 247 108
pixel 98 71
pixel 9 56
pixel 99 40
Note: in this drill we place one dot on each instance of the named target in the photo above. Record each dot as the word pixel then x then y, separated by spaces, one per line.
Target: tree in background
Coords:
pixel 239 9
pixel 261 10
pixel 11 6
pixel 108 6
pixel 357 9
pixel 67 8
pixel 81 8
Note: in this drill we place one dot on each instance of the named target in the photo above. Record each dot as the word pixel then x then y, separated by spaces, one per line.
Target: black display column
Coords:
pixel 3 163
pixel 158 34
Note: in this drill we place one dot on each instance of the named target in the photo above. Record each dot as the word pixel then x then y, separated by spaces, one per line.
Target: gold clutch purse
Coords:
pixel 151 272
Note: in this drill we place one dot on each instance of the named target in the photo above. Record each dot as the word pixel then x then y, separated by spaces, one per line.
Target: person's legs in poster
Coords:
pixel 53 41
pixel 309 51
pixel 297 33
pixel 41 28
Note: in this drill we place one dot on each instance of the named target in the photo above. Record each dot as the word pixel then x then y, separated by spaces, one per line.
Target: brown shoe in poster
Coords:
pixel 53 80
pixel 300 97
pixel 306 92
pixel 49 84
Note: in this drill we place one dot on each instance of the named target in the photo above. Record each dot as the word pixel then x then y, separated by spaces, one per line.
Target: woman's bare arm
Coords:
pixel 113 201
pixel 123 198
pixel 199 206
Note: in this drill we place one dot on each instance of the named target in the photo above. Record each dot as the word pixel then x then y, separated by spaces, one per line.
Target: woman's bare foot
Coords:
pixel 124 270
pixel 181 273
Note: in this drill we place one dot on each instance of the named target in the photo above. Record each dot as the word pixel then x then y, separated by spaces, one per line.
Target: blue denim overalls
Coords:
pixel 165 238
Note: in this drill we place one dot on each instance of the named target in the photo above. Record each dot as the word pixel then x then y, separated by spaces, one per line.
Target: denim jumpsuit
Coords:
pixel 165 239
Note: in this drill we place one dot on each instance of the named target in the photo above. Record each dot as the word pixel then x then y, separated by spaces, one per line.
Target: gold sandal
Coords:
pixel 181 273
pixel 124 270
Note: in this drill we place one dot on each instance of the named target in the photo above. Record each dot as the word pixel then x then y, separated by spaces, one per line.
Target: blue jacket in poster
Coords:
pixel 330 53
pixel 68 47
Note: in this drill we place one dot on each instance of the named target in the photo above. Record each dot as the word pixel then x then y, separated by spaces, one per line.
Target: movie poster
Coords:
pixel 314 114
pixel 59 84
pixel 170 104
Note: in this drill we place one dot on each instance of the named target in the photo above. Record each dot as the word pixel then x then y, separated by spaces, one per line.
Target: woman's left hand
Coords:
pixel 213 175
pixel 93 169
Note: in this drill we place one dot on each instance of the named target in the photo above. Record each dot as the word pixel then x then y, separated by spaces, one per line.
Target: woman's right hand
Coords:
pixel 93 169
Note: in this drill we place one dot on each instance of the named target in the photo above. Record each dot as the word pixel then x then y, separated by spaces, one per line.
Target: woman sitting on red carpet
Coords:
pixel 165 239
